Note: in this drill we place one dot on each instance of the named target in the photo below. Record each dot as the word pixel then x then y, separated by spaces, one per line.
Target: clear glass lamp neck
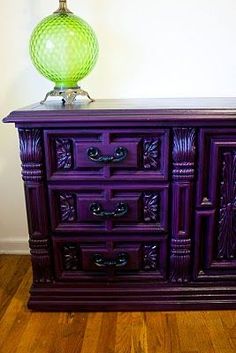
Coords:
pixel 63 7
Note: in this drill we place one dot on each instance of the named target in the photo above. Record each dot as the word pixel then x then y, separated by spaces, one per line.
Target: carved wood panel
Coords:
pixel 150 258
pixel 31 154
pixel 67 206
pixel 215 233
pixel 151 153
pixel 151 211
pixel 227 211
pixel 64 153
pixel 213 143
pixel 207 264
pixel 71 258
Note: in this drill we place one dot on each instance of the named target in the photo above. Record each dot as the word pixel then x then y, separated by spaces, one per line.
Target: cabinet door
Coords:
pixel 215 223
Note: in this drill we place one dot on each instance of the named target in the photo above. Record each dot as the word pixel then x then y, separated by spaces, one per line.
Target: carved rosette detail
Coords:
pixel 41 263
pixel 63 153
pixel 31 154
pixel 67 207
pixel 150 207
pixel 70 257
pixel 150 257
pixel 183 155
pixel 151 153
pixel 227 214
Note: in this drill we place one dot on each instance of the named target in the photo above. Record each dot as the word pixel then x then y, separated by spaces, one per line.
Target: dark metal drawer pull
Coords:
pixel 120 211
pixel 120 261
pixel 95 155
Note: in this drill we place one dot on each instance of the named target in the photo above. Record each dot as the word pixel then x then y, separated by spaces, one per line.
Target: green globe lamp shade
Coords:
pixel 64 49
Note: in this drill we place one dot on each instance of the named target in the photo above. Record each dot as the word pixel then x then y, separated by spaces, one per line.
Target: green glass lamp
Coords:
pixel 64 49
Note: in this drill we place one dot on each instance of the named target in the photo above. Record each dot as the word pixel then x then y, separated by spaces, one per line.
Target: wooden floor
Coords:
pixel 22 331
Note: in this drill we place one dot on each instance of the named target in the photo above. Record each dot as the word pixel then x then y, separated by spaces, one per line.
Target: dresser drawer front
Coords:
pixel 94 154
pixel 111 259
pixel 106 208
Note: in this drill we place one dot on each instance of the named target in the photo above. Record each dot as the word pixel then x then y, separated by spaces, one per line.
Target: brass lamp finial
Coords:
pixel 63 7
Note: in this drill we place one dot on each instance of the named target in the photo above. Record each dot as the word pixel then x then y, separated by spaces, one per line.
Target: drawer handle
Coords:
pixel 120 261
pixel 120 211
pixel 95 155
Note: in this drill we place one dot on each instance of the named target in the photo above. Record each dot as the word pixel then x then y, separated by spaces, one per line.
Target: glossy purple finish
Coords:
pixel 147 221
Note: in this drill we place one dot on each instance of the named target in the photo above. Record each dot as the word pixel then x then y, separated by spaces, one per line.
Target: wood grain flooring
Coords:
pixel 22 331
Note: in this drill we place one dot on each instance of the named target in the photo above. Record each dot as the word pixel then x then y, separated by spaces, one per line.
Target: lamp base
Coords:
pixel 68 95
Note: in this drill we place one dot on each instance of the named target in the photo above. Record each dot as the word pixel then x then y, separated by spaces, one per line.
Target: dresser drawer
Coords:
pixel 109 208
pixel 113 259
pixel 113 154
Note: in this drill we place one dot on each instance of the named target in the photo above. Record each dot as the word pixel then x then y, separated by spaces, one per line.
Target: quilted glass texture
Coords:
pixel 64 49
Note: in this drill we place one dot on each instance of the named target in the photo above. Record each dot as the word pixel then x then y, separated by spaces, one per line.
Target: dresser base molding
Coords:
pixel 133 299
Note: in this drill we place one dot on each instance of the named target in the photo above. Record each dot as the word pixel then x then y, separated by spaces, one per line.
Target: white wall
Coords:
pixel 152 48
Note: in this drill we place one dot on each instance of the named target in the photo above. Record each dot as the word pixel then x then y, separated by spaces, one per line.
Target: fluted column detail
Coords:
pixel 31 154
pixel 183 155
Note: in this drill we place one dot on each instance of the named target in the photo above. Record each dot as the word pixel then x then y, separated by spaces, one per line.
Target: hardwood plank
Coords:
pixel 151 332
pixel 172 334
pixel 123 333
pixel 139 333
pixel 12 271
pixel 219 336
pixel 16 316
pixel 92 332
pixel 70 332
pixel 158 339
pixel 196 338
pixel 107 336
pixel 228 319
pixel 34 336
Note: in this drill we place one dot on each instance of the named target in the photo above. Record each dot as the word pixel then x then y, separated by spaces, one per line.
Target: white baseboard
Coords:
pixel 19 247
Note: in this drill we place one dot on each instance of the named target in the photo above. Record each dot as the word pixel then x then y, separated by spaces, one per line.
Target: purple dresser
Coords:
pixel 131 204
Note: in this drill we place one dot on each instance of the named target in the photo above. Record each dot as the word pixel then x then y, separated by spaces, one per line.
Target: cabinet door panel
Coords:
pixel 215 225
pixel 214 250
pixel 213 144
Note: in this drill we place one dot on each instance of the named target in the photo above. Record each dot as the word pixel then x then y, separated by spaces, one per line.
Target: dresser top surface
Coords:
pixel 127 109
